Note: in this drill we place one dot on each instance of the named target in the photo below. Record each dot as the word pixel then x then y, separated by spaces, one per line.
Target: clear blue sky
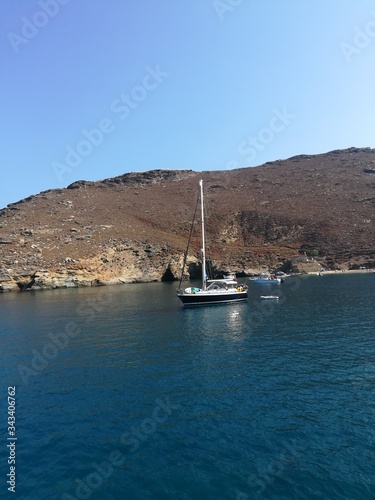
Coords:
pixel 185 84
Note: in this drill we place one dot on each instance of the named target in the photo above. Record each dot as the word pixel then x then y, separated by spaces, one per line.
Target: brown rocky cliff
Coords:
pixel 135 227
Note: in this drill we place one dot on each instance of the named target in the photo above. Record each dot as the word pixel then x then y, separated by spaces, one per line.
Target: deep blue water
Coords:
pixel 147 400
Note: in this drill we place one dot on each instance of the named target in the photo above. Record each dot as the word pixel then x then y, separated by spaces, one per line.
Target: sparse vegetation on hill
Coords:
pixel 134 227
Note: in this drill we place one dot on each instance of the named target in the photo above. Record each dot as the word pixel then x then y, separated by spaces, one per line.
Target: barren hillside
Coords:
pixel 135 227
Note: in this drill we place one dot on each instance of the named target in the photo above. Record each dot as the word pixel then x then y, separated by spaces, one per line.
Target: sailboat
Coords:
pixel 212 291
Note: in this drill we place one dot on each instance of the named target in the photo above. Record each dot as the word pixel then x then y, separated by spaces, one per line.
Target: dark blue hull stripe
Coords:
pixel 197 299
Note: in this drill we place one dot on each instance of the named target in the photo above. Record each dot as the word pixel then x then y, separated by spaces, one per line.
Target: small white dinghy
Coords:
pixel 269 297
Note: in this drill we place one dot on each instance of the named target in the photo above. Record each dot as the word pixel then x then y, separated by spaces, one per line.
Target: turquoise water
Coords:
pixel 134 397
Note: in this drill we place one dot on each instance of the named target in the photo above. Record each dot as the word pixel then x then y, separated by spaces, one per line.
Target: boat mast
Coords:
pixel 203 241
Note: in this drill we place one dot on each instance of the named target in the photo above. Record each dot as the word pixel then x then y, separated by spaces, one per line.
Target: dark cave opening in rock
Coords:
pixel 168 276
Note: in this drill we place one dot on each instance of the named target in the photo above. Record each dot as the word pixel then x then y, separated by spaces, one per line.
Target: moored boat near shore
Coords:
pixel 212 291
pixel 269 297
pixel 266 278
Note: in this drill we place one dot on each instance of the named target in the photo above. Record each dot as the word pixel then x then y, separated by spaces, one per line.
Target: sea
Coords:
pixel 121 393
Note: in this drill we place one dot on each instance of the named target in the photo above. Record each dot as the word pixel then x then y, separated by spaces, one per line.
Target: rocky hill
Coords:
pixel 135 227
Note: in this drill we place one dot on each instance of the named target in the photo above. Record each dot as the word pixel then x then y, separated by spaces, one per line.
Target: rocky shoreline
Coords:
pixel 46 280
